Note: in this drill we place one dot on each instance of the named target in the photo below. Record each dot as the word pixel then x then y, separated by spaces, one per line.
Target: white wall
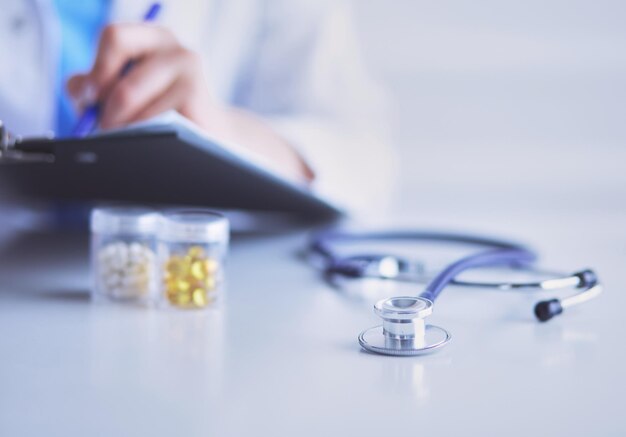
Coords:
pixel 507 103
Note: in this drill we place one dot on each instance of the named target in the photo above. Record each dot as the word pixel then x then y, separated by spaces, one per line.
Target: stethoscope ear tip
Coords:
pixel 547 309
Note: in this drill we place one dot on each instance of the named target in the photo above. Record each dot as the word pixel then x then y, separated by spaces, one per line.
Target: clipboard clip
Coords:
pixel 10 152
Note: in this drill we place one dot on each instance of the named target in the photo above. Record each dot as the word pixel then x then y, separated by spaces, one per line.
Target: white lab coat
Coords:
pixel 295 63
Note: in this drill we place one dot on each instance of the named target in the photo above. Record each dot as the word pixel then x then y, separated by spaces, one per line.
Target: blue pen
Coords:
pixel 89 119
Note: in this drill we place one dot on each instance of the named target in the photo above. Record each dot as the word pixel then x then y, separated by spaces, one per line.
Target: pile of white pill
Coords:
pixel 125 270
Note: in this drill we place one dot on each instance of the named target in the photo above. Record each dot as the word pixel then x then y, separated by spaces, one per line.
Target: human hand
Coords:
pixel 165 76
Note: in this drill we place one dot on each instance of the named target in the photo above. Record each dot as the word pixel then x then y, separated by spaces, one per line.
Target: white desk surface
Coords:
pixel 281 357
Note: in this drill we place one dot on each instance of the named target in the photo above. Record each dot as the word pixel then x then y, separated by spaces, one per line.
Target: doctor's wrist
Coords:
pixel 246 129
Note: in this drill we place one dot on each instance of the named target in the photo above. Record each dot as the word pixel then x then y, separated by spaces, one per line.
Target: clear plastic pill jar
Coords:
pixel 123 253
pixel 192 246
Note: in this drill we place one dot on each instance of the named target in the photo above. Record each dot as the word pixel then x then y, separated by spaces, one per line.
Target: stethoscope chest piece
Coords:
pixel 404 332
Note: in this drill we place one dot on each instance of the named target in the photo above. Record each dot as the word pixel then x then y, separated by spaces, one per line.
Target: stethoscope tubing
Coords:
pixel 321 242
pixel 497 253
pixel 517 256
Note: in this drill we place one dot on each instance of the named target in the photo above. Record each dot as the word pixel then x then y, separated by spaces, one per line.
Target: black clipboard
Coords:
pixel 170 164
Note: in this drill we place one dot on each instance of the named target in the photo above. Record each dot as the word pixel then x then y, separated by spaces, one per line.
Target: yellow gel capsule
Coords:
pixel 198 270
pixel 183 299
pixel 195 252
pixel 189 278
pixel 176 266
pixel 179 298
pixel 196 283
pixel 210 266
pixel 200 297
pixel 170 283
pixel 182 285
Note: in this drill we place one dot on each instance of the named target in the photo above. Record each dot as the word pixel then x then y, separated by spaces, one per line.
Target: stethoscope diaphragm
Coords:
pixel 374 340
pixel 403 332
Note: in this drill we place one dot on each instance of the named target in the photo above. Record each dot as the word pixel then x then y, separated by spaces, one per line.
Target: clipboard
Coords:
pixel 170 163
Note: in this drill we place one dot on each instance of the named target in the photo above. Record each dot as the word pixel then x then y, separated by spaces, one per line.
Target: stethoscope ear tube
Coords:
pixel 546 309
pixel 587 280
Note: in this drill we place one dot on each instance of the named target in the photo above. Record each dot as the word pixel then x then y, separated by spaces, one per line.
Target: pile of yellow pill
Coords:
pixel 190 279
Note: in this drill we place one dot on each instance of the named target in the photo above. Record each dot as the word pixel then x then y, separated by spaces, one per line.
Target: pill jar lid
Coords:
pixel 193 225
pixel 124 220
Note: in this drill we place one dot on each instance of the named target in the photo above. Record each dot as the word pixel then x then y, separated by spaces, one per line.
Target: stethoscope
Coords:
pixel 403 331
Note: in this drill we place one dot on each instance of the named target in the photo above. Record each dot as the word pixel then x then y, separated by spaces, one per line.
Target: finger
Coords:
pixel 121 43
pixel 75 84
pixel 171 98
pixel 148 79
pixel 81 91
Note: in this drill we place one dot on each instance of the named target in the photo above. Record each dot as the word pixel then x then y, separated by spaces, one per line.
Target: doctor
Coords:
pixel 282 78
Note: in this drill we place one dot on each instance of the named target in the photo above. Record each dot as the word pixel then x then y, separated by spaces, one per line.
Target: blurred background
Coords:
pixel 504 108
pixel 509 106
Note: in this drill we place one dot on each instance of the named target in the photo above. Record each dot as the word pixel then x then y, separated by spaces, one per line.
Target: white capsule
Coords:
pixel 138 269
pixel 125 269
pixel 121 258
pixel 124 292
pixel 112 280
pixel 135 252
pixel 108 251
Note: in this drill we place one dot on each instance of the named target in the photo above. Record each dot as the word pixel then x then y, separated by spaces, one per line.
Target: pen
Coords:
pixel 89 118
